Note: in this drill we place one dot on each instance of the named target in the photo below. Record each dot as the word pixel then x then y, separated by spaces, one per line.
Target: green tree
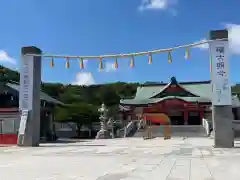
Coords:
pixel 82 102
pixel 53 89
pixel 81 114
pixel 109 96
pixel 8 75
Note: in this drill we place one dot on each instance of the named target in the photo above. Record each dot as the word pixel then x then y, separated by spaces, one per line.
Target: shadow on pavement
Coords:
pixel 65 141
pixel 70 143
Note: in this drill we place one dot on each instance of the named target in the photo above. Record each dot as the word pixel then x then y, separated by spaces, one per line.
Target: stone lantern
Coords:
pixel 103 132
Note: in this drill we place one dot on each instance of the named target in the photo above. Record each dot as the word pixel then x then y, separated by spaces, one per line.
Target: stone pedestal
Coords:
pixel 103 134
pixel 223 132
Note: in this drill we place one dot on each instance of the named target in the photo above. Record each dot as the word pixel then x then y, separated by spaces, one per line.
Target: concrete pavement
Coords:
pixel 122 159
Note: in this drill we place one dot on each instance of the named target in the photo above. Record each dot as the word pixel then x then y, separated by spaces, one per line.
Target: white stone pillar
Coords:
pixel 222 97
pixel 29 97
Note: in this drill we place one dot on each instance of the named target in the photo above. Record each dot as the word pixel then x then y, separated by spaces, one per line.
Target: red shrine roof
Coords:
pixel 151 93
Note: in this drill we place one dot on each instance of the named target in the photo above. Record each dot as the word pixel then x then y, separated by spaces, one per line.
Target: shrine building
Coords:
pixel 10 113
pixel 185 103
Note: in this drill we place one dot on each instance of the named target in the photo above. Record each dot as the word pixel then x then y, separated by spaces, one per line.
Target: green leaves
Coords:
pixel 82 101
pixel 80 113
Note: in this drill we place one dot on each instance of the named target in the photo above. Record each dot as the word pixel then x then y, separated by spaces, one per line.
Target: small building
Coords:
pixel 10 114
pixel 185 103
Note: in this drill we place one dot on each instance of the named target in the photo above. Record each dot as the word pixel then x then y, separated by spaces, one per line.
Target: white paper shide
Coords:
pixel 23 122
pixel 220 73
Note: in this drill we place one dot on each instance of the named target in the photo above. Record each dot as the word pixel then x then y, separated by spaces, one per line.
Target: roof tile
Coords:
pixel 43 96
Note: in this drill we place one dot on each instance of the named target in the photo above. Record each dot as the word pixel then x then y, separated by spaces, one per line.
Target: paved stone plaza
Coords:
pixel 122 159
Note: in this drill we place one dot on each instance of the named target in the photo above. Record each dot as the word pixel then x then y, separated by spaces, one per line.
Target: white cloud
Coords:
pixel 85 61
pixel 110 67
pixel 157 4
pixel 4 57
pixel 203 46
pixel 84 78
pixel 234 38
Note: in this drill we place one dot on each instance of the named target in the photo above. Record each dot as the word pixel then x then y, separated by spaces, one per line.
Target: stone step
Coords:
pixel 176 131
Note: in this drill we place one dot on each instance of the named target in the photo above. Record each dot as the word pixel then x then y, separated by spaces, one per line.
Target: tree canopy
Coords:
pixel 82 102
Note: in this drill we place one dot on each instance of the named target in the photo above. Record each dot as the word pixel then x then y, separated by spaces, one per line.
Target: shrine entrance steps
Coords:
pixel 176 131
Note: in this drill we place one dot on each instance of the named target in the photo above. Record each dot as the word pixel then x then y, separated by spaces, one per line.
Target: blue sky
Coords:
pixel 94 27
